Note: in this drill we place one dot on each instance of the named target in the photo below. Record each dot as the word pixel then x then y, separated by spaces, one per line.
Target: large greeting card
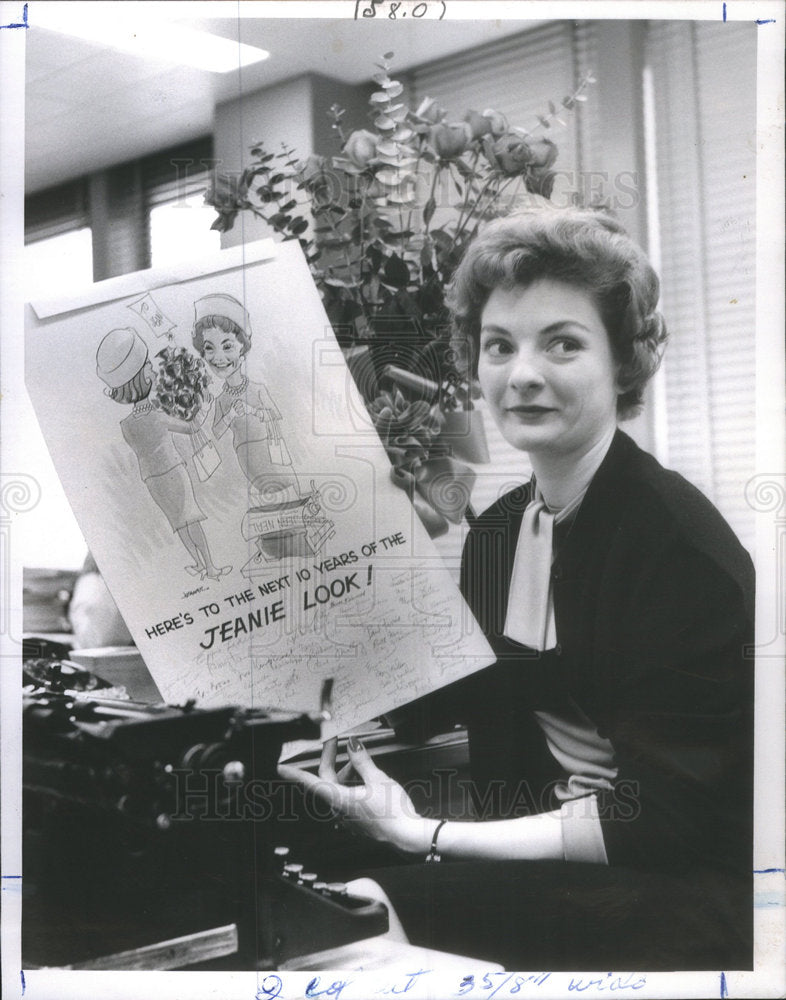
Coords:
pixel 235 495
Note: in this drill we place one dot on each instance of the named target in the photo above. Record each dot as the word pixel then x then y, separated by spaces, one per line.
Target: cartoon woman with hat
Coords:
pixel 222 336
pixel 122 362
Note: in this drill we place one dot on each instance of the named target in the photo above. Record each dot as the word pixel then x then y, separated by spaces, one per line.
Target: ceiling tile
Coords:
pixel 89 106
pixel 172 88
pixel 41 109
pixel 48 52
pixel 83 146
pixel 100 74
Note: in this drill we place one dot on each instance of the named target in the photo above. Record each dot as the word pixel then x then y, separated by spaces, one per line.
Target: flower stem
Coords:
pixel 464 220
pixel 434 179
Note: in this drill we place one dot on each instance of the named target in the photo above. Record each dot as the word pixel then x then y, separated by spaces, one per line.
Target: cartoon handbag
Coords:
pixel 279 453
pixel 206 456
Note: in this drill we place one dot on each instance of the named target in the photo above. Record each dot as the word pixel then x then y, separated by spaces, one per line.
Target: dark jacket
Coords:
pixel 653 600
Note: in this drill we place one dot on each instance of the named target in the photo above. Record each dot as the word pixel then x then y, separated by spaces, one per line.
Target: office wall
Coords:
pixel 275 115
pixel 294 113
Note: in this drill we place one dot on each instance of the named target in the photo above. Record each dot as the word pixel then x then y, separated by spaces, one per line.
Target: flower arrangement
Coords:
pixel 383 226
pixel 182 383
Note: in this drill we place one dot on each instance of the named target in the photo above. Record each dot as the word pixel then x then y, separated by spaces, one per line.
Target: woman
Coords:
pixel 222 336
pixel 122 362
pixel 611 742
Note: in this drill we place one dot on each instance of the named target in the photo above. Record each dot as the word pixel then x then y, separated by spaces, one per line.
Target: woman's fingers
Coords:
pixel 361 761
pixel 327 791
pixel 365 803
pixel 327 763
pixel 379 807
pixel 345 773
pixel 291 772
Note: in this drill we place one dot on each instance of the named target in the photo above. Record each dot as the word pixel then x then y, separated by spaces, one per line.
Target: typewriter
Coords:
pixel 159 836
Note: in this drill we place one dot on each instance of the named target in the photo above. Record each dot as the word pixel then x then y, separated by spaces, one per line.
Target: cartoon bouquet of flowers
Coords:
pixel 182 383
pixel 182 389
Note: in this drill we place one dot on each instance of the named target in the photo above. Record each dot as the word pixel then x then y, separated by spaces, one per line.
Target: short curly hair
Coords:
pixel 222 323
pixel 583 247
pixel 134 390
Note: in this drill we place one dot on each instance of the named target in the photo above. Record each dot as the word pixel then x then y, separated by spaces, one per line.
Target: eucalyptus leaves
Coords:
pixel 384 223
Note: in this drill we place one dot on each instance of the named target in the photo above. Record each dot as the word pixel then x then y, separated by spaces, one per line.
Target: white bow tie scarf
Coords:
pixel 530 614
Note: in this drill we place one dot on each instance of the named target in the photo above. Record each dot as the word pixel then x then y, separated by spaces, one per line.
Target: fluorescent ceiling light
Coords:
pixel 140 29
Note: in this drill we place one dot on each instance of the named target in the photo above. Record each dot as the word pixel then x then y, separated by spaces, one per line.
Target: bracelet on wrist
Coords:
pixel 433 856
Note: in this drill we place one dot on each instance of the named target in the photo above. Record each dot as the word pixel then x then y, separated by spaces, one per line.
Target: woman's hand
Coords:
pixel 365 798
pixel 201 415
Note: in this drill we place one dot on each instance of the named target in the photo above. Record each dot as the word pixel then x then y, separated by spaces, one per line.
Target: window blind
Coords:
pixel 120 240
pixel 122 197
pixel 704 96
pixel 177 172
pixel 519 76
pixel 56 210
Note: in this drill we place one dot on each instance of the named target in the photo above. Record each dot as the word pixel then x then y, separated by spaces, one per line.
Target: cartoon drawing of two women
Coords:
pixel 222 336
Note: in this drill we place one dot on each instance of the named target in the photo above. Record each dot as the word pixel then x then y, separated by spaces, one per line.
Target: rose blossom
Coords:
pixel 449 141
pixel 498 123
pixel 479 124
pixel 361 148
pixel 513 154
pixel 543 152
